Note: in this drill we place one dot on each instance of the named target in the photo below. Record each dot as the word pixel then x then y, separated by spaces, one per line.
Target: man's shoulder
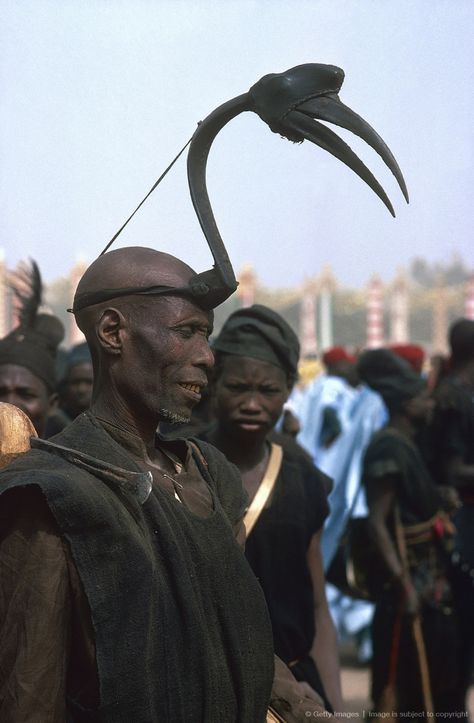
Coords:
pixel 31 479
pixel 296 460
pixel 385 444
pixel 35 460
pixel 58 462
pixel 36 467
pixel 215 461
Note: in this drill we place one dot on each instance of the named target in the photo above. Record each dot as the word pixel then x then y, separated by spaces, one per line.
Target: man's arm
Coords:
pixel 34 611
pixel 381 502
pixel 324 650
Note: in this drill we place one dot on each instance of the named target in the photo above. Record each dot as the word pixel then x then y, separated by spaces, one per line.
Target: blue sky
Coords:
pixel 98 95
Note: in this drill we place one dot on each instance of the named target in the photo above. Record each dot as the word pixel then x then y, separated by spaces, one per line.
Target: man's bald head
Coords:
pixel 133 266
pixel 138 271
pixel 117 277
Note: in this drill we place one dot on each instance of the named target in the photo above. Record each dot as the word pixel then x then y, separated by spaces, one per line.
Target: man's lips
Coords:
pixel 194 389
pixel 251 425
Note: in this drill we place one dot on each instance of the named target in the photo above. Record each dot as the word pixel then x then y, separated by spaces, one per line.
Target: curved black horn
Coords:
pixel 288 103
pixel 198 153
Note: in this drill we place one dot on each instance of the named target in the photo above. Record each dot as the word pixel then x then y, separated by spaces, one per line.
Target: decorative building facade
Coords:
pixel 320 310
pixel 469 302
pixel 399 306
pixel 375 317
pixel 308 323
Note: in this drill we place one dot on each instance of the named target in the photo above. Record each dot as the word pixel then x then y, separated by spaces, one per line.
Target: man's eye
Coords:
pixel 234 387
pixel 188 331
pixel 185 331
pixel 269 390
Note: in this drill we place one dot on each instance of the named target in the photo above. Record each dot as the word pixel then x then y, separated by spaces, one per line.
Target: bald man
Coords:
pixel 125 594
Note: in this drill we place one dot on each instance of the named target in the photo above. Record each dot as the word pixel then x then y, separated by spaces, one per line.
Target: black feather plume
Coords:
pixel 28 289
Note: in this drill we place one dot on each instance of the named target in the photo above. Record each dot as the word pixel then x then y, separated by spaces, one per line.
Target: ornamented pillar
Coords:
pixel 74 334
pixel 469 299
pixel 308 338
pixel 327 285
pixel 399 304
pixel 246 287
pixel 375 332
pixel 440 321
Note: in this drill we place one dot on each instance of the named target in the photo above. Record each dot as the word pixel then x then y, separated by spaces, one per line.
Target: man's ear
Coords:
pixel 109 331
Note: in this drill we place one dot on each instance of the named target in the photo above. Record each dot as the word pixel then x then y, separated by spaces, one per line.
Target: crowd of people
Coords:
pixel 159 566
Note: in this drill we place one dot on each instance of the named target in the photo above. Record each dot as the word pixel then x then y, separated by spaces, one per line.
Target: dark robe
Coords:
pixel 180 623
pixel 391 454
pixel 277 550
pixel 452 436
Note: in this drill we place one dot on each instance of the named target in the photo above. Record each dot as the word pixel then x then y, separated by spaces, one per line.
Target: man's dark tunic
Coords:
pixel 391 454
pixel 179 622
pixel 453 438
pixel 277 551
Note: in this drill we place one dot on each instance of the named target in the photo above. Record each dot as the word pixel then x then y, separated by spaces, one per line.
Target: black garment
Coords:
pixel 187 637
pixel 452 435
pixel 440 634
pixel 276 550
pixel 391 453
pixel 452 431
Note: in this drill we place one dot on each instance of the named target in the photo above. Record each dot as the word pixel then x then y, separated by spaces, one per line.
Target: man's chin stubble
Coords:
pixel 173 417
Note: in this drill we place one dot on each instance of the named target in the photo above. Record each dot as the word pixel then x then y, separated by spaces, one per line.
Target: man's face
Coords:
pixel 77 390
pixel 20 387
pixel 165 358
pixel 249 396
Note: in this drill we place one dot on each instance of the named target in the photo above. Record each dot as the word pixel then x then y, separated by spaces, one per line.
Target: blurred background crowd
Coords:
pixel 365 381
pixel 381 432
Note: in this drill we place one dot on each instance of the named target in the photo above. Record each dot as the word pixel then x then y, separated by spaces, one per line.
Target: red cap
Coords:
pixel 337 354
pixel 412 353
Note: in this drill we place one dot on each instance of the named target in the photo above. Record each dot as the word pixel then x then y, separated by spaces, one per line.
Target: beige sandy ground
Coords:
pixel 356 687
pixel 355 683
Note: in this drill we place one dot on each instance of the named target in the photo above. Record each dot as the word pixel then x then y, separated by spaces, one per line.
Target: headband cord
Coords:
pixel 148 194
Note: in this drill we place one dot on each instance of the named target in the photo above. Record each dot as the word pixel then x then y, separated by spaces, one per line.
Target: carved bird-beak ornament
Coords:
pixel 290 103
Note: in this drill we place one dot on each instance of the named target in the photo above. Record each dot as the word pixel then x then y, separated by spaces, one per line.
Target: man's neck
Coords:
pixel 116 413
pixel 246 455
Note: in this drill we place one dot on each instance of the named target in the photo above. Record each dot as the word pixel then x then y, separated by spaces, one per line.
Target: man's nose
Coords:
pixel 251 403
pixel 204 355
